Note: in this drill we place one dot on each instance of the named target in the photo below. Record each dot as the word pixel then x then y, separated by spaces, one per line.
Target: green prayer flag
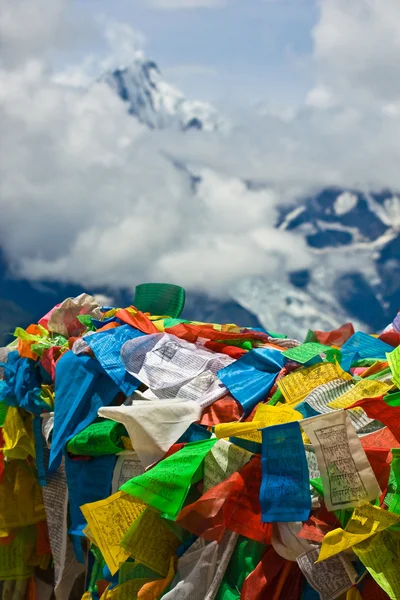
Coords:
pixel 244 344
pixel 246 556
pixel 310 336
pixel 87 321
pixel 379 374
pixel 3 413
pixel 391 488
pixel 343 515
pixel 97 569
pixel 166 485
pixel 392 399
pixel 172 322
pixel 133 570
pixel 103 437
pixel 280 336
pixel 277 397
pixel 309 350
pixel 317 485
pixel 395 469
pixel 363 362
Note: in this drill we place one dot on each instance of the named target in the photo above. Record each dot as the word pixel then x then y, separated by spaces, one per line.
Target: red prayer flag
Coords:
pixel 336 337
pixel 370 590
pixel 377 409
pixel 380 459
pixel 383 438
pixel 224 410
pixel 190 333
pixel 49 359
pixel 314 529
pixel 391 337
pixel 232 504
pixel 274 578
pixel 232 351
pixel 42 539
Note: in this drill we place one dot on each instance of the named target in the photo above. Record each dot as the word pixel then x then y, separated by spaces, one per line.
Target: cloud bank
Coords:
pixel 186 4
pixel 89 195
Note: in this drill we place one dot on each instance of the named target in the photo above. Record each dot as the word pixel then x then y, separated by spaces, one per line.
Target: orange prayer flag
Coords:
pixel 24 346
pixel 135 318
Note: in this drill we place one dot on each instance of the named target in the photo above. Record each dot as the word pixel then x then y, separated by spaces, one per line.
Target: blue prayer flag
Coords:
pixel 88 481
pixel 106 346
pixel 82 387
pixel 285 489
pixel 361 345
pixel 250 378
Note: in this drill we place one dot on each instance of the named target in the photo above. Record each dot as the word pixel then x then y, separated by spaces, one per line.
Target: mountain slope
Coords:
pixel 157 103
pixel 355 240
pixel 354 237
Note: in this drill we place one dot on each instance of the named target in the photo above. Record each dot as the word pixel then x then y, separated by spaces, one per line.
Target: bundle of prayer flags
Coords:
pixel 153 457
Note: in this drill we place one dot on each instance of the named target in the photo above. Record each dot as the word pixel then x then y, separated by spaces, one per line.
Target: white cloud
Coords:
pixel 90 195
pixel 320 97
pixel 123 43
pixel 357 48
pixel 104 300
pixel 186 4
pixel 27 27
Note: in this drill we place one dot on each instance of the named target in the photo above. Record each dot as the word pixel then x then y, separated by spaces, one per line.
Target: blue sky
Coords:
pixel 242 52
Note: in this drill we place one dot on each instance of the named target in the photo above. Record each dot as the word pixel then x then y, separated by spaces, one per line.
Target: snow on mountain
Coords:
pixel 344 203
pixel 290 309
pixel 364 237
pixel 157 103
pixel 341 227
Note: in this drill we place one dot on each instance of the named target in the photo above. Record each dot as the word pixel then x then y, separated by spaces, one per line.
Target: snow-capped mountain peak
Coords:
pixel 157 103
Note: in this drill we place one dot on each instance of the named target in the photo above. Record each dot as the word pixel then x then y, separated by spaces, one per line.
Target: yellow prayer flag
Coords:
pixel 393 359
pixel 18 435
pixel 126 441
pixel 247 431
pixel 13 563
pixel 109 520
pixel 353 594
pixel 265 416
pixel 21 499
pixel 380 554
pixel 366 388
pixel 86 531
pixel 276 415
pixel 158 323
pixel 151 542
pixel 110 313
pixel 47 395
pixel 366 520
pixel 297 385
pixel 127 590
pixel 154 589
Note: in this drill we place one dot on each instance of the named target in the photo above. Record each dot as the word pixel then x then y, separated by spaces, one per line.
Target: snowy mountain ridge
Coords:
pixel 341 227
pixel 347 226
pixel 157 103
